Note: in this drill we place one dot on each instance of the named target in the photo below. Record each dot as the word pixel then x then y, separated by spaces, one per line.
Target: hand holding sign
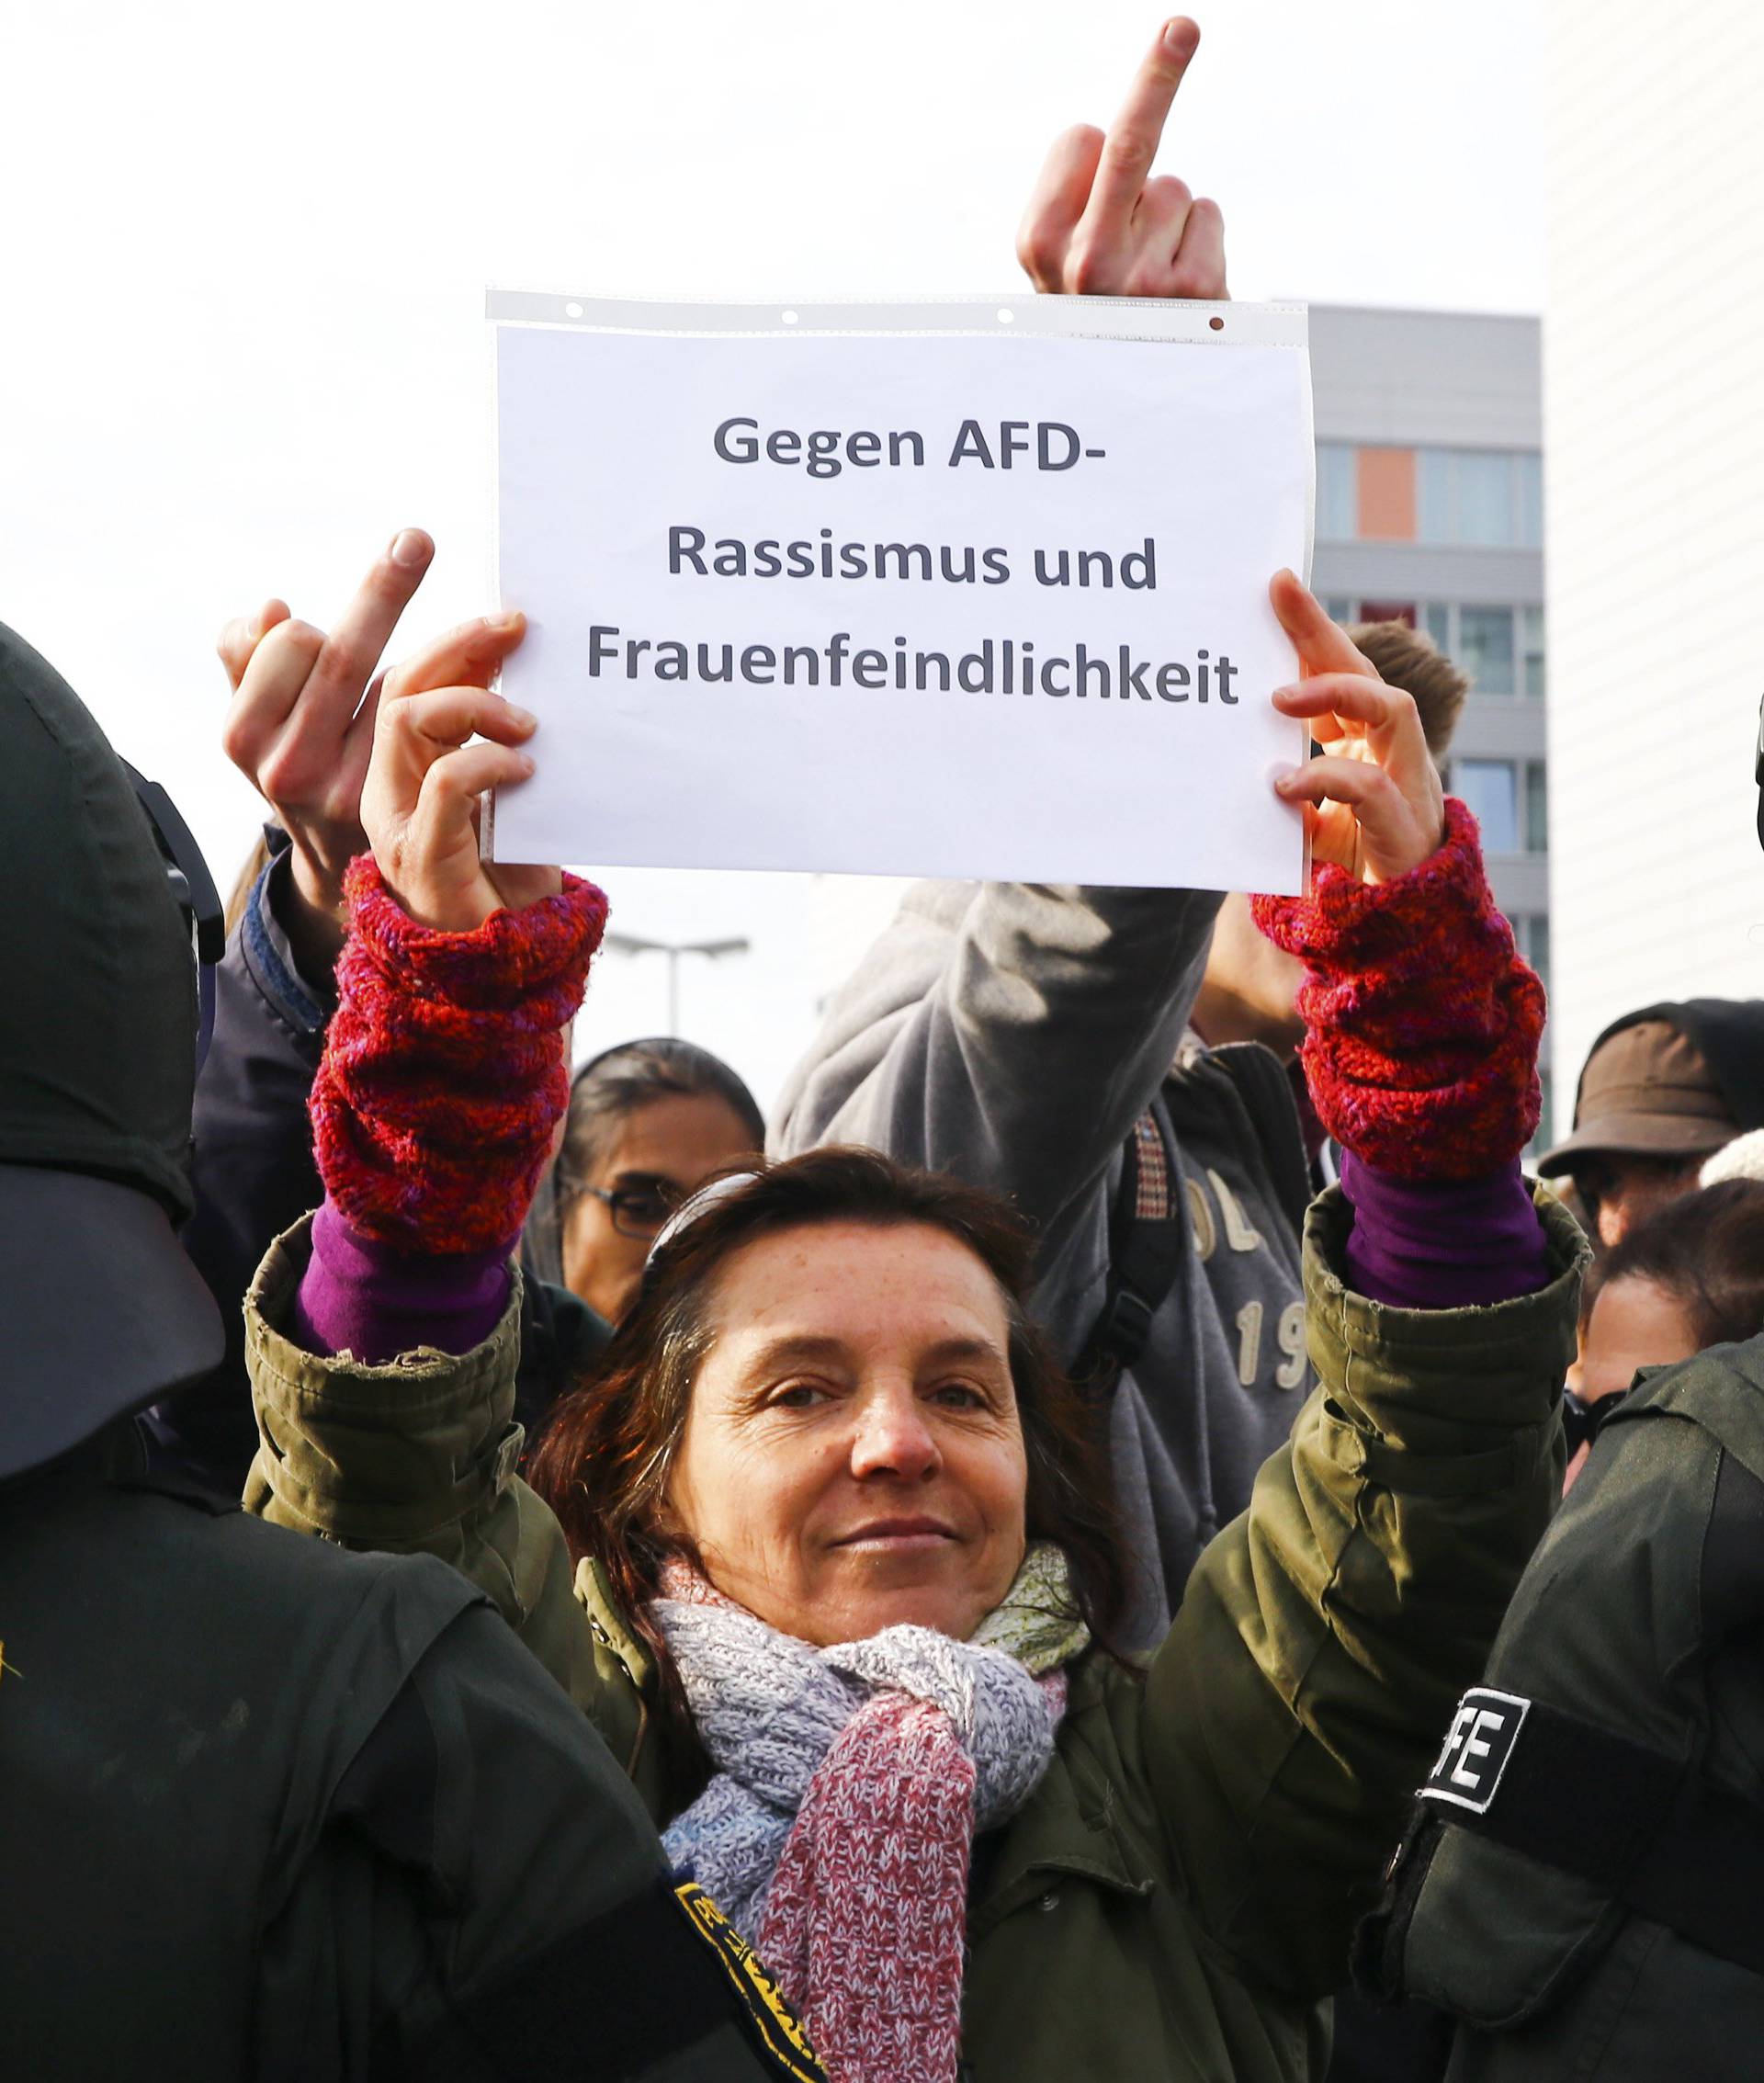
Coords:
pixel 1372 801
pixel 420 801
pixel 1096 226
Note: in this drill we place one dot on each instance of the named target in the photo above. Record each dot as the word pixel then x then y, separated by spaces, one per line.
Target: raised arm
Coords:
pixel 1013 1033
pixel 300 727
pixel 1009 1033
pixel 1326 1634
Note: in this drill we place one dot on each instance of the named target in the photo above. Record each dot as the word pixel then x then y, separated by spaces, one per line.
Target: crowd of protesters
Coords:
pixel 1113 1518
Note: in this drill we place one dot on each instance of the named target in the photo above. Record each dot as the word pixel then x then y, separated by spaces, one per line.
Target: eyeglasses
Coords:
pixel 1582 1421
pixel 639 1212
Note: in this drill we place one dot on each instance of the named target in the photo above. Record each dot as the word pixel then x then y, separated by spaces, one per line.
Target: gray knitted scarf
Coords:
pixel 768 1708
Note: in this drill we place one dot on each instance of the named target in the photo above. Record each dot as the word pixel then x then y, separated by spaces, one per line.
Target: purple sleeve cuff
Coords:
pixel 372 1300
pixel 1442 1244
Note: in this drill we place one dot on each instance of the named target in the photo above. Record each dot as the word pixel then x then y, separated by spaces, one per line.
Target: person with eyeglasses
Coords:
pixel 648 1123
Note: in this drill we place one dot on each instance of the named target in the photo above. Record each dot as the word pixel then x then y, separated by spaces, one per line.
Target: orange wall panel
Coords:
pixel 1387 495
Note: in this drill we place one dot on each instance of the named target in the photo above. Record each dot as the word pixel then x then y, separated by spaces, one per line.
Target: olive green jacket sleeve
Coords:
pixel 421 1457
pixel 1327 1635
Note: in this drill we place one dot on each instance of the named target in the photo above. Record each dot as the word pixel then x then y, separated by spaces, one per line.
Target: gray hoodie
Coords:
pixel 1013 1034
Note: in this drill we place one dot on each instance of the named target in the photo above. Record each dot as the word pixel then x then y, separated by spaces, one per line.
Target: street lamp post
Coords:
pixel 637 943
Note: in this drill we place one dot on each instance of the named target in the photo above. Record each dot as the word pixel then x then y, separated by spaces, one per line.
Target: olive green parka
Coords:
pixel 1176 1897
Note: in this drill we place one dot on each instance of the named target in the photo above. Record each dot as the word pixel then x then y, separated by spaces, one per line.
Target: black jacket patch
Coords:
pixel 1481 1738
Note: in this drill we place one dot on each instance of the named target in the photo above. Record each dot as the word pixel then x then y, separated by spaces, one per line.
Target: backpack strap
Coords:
pixel 1264 1084
pixel 1146 1239
pixel 1147 1233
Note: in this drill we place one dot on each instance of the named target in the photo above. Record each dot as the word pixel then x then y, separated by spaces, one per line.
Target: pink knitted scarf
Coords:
pixel 867 1915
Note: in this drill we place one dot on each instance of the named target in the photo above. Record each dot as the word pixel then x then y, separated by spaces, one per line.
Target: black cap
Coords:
pixel 101 1311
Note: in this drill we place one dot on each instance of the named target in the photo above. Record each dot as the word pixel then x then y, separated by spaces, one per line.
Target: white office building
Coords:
pixel 1654 402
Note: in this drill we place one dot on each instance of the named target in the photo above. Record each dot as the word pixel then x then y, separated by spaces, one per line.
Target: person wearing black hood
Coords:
pixel 1662 1089
pixel 267 1809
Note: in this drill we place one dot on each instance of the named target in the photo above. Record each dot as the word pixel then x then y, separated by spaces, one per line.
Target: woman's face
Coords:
pixel 1634 1323
pixel 853 1457
pixel 664 1152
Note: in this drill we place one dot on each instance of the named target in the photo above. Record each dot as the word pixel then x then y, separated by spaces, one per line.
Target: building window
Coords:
pixel 1486 512
pixel 1532 934
pixel 1485 649
pixel 1435 505
pixel 1509 800
pixel 1531 501
pixel 1490 791
pixel 1386 495
pixel 1502 646
pixel 1536 675
pixel 1499 646
pixel 1338 493
pixel 1537 807
pixel 1486 498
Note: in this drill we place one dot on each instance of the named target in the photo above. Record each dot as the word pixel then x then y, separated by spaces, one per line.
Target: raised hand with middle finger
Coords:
pixel 1098 225
pixel 1372 798
pixel 302 726
pixel 441 737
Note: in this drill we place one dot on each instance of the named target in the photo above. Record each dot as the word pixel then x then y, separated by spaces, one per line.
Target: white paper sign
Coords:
pixel 964 590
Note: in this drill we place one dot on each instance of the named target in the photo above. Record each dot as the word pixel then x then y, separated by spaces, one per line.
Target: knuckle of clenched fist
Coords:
pixel 239 742
pixel 300 638
pixel 1088 268
pixel 278 777
pixel 1039 251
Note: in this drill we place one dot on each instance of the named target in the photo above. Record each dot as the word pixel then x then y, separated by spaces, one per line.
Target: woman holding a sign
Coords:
pixel 842 1584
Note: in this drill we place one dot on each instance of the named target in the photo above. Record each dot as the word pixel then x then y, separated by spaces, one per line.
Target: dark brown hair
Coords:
pixel 1706 1249
pixel 604 1461
pixel 605 1091
pixel 603 1095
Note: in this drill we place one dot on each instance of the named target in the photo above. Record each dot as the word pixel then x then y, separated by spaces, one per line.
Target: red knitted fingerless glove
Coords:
pixel 1423 1022
pixel 443 1074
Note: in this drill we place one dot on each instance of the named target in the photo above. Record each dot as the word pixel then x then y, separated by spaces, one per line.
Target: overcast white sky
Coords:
pixel 248 248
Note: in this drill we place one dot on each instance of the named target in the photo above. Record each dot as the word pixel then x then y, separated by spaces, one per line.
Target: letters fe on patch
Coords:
pixel 1483 1731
